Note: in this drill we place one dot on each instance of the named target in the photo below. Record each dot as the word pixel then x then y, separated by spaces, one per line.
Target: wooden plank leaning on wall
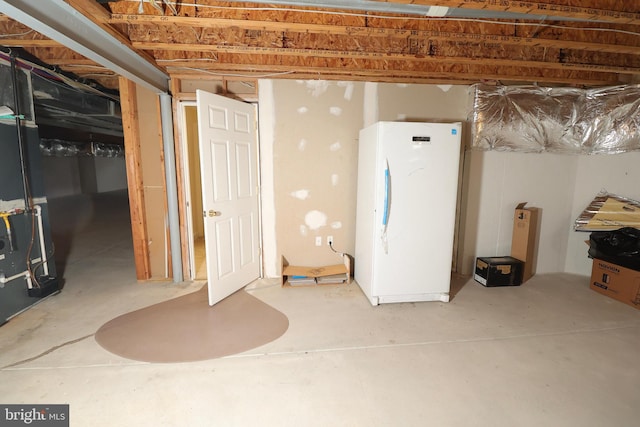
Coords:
pixel 133 156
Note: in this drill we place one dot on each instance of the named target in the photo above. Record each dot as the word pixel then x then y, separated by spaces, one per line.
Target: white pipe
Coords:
pixel 43 249
pixel 166 113
pixel 25 273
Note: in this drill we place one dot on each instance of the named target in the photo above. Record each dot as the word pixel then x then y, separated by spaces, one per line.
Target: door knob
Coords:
pixel 214 213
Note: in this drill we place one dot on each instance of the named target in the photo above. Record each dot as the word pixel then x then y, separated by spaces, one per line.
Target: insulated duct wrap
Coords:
pixel 60 148
pixel 557 120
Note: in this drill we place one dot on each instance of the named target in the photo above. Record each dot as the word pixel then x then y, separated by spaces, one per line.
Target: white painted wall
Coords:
pixel 497 182
pixel 618 174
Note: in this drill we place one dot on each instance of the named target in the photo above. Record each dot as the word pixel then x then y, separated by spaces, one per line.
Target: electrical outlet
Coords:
pixel 318 240
pixel 329 240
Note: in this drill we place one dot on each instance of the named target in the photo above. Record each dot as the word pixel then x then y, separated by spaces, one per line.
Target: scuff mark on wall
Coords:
pixel 302 144
pixel 403 85
pixel 445 88
pixel 315 219
pixel 336 111
pixel 300 194
pixel 302 110
pixel 348 91
pixel 335 179
pixel 336 225
pixel 402 116
pixel 335 146
pixel 316 87
pixel 370 108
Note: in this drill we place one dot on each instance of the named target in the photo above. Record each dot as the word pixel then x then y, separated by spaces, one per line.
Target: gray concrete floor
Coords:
pixel 548 353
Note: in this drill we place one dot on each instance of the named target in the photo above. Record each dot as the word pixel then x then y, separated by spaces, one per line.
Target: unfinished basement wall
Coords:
pixel 153 180
pixel 496 183
pixel 145 179
pixel 423 103
pixel 493 182
pixel 68 176
pixel 111 174
pixel 61 176
pixel 314 132
pixel 616 173
pixel 309 135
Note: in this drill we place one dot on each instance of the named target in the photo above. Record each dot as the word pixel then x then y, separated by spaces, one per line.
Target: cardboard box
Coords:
pixel 498 271
pixel 524 240
pixel 302 276
pixel 614 281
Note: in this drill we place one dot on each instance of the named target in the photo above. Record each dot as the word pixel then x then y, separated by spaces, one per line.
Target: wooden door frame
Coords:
pixel 186 228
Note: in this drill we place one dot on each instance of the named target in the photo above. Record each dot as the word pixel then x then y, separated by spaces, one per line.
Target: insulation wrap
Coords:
pixel 558 120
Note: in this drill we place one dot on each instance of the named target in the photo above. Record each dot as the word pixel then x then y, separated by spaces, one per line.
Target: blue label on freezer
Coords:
pixel 454 131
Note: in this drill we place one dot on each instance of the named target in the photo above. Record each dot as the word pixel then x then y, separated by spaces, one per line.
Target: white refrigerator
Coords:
pixel 406 210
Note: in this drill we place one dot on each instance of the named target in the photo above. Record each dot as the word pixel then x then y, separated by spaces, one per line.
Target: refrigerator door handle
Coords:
pixel 387 201
pixel 387 188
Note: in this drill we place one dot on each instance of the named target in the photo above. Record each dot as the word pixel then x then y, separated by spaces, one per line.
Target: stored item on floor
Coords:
pixel 621 247
pixel 406 201
pixel 608 212
pixel 524 240
pixel 617 282
pixel 293 275
pixel 498 271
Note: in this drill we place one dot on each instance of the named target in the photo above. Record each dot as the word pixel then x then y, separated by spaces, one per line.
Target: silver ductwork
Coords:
pixel 559 120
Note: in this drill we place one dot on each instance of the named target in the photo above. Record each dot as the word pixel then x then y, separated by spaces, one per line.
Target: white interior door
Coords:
pixel 229 168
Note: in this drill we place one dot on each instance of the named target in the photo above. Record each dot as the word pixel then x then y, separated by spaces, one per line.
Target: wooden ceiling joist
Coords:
pixel 287 52
pixel 443 72
pixel 558 9
pixel 598 43
pixel 29 43
pixel 592 42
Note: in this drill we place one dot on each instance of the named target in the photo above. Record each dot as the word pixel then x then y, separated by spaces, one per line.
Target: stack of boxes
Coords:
pixel 616 264
pixel 521 265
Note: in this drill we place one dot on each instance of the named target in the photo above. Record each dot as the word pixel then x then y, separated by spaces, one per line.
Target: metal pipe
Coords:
pixel 21 147
pixel 166 116
pixel 60 21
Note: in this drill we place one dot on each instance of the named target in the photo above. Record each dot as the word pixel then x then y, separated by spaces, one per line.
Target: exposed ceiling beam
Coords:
pixel 256 71
pixel 29 43
pixel 487 9
pixel 371 31
pixel 61 22
pixel 354 55
pixel 540 8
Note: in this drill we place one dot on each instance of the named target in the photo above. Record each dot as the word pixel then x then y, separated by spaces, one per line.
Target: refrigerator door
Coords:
pixel 416 191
